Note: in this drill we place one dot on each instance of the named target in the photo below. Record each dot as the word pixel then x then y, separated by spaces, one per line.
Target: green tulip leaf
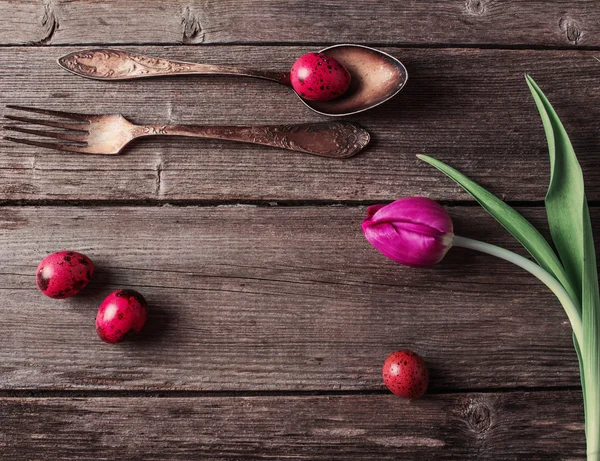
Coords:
pixel 571 230
pixel 513 222
pixel 565 197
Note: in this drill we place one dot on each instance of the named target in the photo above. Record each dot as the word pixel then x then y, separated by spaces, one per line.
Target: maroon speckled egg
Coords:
pixel 64 274
pixel 123 313
pixel 405 374
pixel 318 77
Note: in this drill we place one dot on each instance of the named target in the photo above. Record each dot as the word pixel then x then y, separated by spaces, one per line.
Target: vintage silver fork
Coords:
pixel 109 134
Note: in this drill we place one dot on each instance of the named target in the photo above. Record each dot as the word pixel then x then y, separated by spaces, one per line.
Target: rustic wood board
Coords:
pixel 536 426
pixel 269 324
pixel 470 108
pixel 271 298
pixel 477 22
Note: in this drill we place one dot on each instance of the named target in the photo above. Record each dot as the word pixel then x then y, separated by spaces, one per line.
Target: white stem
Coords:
pixel 531 267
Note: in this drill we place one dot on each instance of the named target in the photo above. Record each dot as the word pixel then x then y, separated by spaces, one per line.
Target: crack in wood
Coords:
pixel 224 290
pixel 158 187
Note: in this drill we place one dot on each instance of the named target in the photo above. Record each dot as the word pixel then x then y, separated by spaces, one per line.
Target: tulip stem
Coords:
pixel 531 267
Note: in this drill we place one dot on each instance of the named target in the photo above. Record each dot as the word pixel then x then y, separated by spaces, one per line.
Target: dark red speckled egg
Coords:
pixel 405 374
pixel 64 274
pixel 318 77
pixel 122 314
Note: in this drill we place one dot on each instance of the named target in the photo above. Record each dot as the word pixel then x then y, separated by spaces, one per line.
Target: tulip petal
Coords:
pixel 414 231
pixel 416 210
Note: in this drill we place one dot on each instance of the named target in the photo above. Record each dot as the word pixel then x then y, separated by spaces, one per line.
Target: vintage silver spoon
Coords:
pixel 376 76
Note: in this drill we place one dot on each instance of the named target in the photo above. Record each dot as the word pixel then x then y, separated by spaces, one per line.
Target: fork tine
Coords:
pixel 50 145
pixel 50 134
pixel 54 113
pixel 68 126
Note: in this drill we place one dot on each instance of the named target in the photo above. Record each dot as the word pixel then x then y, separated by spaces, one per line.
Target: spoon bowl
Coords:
pixel 376 78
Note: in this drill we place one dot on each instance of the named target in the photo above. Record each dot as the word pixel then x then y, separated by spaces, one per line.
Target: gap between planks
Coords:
pixel 167 393
pixel 251 203
pixel 436 46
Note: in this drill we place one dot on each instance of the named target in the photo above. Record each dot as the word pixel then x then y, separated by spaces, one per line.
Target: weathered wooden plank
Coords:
pixel 477 22
pixel 25 22
pixel 468 107
pixel 516 425
pixel 270 299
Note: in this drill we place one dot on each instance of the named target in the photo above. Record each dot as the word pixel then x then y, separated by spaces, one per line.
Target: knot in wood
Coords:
pixel 475 7
pixel 478 416
pixel 571 28
pixel 49 24
pixel 192 27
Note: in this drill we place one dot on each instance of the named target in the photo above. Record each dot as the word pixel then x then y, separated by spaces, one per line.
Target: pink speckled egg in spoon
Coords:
pixel 318 77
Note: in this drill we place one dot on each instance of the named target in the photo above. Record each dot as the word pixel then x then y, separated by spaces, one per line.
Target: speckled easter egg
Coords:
pixel 122 314
pixel 64 274
pixel 405 374
pixel 318 77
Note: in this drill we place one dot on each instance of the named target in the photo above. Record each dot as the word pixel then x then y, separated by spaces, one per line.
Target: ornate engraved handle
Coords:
pixel 330 139
pixel 104 64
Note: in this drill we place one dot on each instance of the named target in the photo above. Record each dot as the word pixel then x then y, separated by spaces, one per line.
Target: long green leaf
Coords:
pixel 565 196
pixel 517 225
pixel 571 230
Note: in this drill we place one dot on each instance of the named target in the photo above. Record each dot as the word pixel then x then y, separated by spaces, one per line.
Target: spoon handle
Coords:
pixel 329 139
pixel 105 64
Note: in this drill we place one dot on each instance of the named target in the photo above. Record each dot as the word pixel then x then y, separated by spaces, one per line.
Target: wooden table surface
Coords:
pixel 270 314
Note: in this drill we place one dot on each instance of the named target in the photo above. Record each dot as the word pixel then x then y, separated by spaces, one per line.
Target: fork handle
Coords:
pixel 330 139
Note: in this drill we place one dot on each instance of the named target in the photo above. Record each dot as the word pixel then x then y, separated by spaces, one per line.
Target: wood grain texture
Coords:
pixel 268 325
pixel 449 22
pixel 470 108
pixel 277 298
pixel 536 426
pixel 26 22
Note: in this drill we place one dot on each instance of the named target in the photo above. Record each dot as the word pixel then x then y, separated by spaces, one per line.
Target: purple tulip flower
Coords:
pixel 414 231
